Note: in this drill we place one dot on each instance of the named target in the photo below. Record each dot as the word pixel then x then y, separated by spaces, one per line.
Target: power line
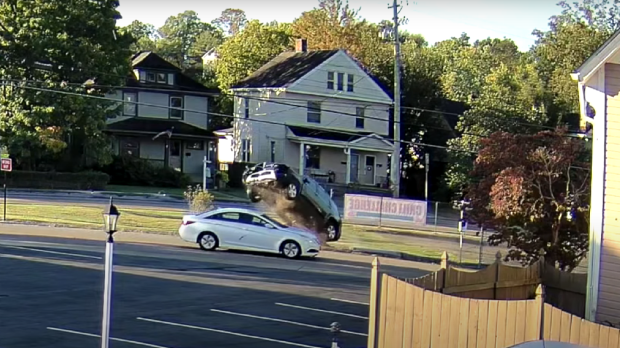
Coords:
pixel 208 113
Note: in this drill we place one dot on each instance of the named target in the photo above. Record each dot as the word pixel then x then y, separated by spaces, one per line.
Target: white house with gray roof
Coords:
pixel 319 112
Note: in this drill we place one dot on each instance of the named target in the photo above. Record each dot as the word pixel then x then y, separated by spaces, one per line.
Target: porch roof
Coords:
pixel 365 141
pixel 150 126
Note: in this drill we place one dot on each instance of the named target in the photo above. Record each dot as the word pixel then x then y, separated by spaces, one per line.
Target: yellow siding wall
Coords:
pixel 608 307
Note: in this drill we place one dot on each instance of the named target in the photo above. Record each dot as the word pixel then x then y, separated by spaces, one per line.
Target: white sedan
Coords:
pixel 245 229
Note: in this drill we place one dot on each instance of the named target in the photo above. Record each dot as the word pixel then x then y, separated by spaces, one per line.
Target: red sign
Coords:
pixel 6 165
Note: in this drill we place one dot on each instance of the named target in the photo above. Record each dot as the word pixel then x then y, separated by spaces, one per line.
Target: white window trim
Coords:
pixel 154 79
pixel 332 80
pixel 165 79
pixel 173 108
pixel 126 104
pixel 246 150
pixel 313 112
pixel 350 84
pixel 360 116
pixel 340 81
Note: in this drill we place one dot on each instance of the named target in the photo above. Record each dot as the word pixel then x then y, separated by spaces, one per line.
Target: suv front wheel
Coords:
pixel 292 189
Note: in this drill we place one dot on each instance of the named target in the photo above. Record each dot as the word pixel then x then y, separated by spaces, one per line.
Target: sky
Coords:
pixel 436 20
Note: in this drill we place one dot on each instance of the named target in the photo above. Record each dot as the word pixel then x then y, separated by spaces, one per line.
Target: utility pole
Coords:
pixel 395 160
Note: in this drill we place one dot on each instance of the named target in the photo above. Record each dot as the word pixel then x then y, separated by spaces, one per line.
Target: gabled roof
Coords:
pixel 599 57
pixel 152 61
pixel 285 69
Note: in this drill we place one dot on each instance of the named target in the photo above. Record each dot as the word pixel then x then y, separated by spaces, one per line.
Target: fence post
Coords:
pixel 498 263
pixel 445 262
pixel 481 243
pixel 375 297
pixel 436 210
pixel 540 303
pixel 381 212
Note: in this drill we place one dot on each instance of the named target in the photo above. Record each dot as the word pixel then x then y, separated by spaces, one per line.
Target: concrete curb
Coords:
pixel 400 256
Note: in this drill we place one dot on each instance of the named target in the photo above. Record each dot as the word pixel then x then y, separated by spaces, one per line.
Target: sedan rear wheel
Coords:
pixel 290 249
pixel 208 241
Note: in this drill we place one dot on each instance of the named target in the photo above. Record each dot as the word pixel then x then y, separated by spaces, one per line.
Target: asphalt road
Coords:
pixel 175 297
pixel 445 218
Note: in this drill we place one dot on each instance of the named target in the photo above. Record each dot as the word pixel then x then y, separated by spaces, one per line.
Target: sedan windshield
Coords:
pixel 279 224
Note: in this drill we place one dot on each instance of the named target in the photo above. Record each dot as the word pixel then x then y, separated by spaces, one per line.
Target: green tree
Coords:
pixel 231 21
pixel 534 192
pixel 183 36
pixel 250 49
pixel 40 127
pixel 144 35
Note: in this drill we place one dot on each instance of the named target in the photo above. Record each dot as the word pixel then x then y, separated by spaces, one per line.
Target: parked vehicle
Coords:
pixel 283 180
pixel 246 229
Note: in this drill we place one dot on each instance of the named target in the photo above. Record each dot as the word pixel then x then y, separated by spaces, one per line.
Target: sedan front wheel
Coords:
pixel 208 241
pixel 290 250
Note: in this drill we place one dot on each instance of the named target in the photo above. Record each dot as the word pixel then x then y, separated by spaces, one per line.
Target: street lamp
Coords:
pixel 110 219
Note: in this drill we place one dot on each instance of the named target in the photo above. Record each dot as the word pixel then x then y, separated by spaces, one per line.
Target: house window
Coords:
pixel 350 82
pixel 176 107
pixel 162 78
pixel 246 108
pixel 340 81
pixel 330 80
pixel 150 77
pixel 273 151
pixel 314 112
pixel 359 121
pixel 246 150
pixel 129 147
pixel 129 104
pixel 194 145
pixel 313 157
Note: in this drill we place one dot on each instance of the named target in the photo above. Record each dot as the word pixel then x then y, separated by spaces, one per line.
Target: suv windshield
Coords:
pixel 279 224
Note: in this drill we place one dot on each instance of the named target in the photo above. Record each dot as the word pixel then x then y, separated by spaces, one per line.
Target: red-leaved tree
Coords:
pixel 534 192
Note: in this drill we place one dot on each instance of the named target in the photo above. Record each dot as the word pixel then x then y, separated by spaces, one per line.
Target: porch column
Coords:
pixel 302 158
pixel 347 180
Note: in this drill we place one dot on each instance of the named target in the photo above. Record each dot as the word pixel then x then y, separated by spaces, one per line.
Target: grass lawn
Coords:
pixel 173 192
pixel 168 221
pixel 141 220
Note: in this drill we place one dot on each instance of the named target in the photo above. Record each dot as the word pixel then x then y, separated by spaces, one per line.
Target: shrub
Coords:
pixel 88 180
pixel 129 170
pixel 198 199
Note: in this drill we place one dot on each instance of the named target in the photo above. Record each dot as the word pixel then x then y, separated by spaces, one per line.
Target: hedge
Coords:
pixel 89 180
pixel 129 170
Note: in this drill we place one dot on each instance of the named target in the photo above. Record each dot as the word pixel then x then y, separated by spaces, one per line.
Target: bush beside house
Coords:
pixel 88 180
pixel 129 170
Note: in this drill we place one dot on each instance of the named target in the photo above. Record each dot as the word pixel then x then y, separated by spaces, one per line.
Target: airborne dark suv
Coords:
pixel 294 186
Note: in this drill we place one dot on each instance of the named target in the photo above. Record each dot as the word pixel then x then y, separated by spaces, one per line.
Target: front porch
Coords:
pixel 183 149
pixel 361 160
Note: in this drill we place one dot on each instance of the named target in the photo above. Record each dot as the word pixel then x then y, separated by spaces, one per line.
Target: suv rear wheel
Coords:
pixel 331 229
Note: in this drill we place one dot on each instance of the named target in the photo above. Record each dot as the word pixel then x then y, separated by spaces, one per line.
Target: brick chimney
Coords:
pixel 301 45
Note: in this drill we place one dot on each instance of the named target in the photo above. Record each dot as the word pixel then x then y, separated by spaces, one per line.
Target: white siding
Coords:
pixel 192 161
pixel 364 87
pixel 152 149
pixel 157 104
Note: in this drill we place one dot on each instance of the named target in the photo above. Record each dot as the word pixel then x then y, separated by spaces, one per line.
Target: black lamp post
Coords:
pixel 110 219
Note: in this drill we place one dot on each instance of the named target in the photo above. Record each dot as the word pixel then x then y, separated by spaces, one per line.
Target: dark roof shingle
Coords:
pixel 155 126
pixel 285 69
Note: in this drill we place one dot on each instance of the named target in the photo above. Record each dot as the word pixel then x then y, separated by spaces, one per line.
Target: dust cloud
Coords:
pixel 297 213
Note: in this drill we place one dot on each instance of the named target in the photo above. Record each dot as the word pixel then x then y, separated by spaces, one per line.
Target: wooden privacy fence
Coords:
pixel 403 315
pixel 497 281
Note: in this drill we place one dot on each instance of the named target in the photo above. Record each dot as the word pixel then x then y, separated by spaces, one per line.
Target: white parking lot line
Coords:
pixel 285 321
pixel 227 332
pixel 320 310
pixel 349 301
pixel 53 252
pixel 111 338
